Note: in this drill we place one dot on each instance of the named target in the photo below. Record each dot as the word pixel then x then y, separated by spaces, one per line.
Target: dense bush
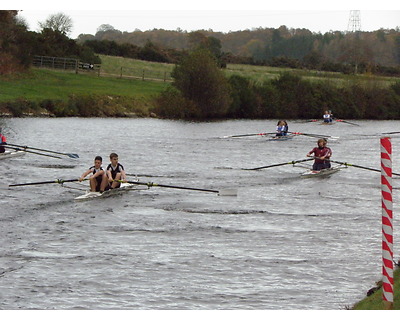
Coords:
pixel 292 97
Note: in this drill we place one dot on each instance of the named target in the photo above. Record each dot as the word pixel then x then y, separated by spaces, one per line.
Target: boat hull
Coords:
pixel 89 195
pixel 11 154
pixel 281 138
pixel 321 173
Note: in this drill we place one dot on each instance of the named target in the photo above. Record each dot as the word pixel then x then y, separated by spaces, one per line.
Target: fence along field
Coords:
pixel 74 65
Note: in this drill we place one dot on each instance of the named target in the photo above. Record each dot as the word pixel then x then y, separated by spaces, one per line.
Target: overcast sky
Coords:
pixel 223 16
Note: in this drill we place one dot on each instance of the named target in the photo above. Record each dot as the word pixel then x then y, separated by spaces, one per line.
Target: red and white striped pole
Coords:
pixel 387 222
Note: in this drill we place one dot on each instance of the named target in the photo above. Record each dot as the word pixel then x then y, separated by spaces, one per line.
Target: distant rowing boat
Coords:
pixel 282 138
pixel 111 192
pixel 11 154
pixel 320 173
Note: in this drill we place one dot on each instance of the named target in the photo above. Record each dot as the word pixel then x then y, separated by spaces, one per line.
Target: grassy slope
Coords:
pixel 112 65
pixel 375 302
pixel 40 84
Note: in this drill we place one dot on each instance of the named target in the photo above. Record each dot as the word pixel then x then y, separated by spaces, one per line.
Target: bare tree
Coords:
pixel 58 22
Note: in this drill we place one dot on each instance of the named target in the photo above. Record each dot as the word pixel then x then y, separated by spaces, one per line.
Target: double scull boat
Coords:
pixel 110 192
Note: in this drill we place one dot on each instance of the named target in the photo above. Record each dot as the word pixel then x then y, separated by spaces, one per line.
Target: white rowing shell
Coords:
pixel 123 188
pixel 11 154
pixel 321 173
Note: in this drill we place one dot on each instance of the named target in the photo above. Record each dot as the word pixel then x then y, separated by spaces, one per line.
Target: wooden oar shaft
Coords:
pixel 72 155
pixel 61 181
pixel 151 184
pixel 41 154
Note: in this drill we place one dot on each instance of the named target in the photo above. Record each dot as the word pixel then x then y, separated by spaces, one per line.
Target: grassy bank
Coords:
pixel 375 302
pixel 41 84
pixel 35 91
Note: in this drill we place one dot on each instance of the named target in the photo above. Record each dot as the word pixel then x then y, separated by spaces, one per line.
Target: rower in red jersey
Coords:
pixel 322 153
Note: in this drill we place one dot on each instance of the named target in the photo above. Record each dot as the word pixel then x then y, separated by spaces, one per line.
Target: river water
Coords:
pixel 282 243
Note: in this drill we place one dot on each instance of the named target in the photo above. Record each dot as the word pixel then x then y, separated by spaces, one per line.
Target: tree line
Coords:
pixel 348 52
pixel 18 46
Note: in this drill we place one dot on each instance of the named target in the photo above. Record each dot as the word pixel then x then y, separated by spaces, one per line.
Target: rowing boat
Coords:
pixel 281 138
pixel 111 192
pixel 320 173
pixel 11 154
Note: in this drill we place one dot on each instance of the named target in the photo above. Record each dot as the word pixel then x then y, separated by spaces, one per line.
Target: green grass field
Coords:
pixel 133 67
pixel 40 84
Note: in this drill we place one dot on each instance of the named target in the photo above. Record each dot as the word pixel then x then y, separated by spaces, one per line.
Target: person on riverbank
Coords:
pixel 98 179
pixel 322 154
pixel 115 172
pixel 3 141
pixel 282 128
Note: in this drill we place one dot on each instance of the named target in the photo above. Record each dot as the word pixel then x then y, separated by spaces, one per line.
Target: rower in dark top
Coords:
pixel 321 154
pixel 98 179
pixel 115 171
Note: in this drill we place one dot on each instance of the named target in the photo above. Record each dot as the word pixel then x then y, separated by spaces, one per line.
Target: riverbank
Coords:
pixel 42 92
pixel 373 300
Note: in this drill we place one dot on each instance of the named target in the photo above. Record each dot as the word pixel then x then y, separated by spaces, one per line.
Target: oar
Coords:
pixel 226 192
pixel 42 154
pixel 249 134
pixel 352 123
pixel 361 167
pixel 60 181
pixel 279 164
pixel 394 132
pixel 314 135
pixel 71 155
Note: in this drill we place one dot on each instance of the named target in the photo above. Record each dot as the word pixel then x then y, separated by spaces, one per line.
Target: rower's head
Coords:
pixel 98 161
pixel 114 158
pixel 322 142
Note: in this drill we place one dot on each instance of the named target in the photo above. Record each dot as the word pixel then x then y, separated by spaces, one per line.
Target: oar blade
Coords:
pixel 73 155
pixel 228 192
pixel 4 186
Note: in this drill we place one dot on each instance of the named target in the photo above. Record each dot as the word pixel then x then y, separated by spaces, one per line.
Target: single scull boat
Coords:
pixel 11 154
pixel 320 173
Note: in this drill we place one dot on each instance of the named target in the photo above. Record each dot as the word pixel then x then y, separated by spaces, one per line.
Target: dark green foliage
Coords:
pixel 244 99
pixel 53 43
pixel 149 52
pixel 200 81
pixel 289 97
pixel 172 105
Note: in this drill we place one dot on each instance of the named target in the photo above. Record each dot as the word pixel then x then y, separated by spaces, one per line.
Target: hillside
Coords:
pixel 116 66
